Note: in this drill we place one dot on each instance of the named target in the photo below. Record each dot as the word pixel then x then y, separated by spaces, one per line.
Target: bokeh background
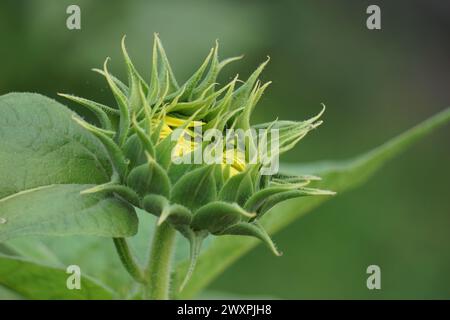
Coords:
pixel 375 84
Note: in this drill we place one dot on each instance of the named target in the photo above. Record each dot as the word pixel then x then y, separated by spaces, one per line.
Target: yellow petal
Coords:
pixel 177 122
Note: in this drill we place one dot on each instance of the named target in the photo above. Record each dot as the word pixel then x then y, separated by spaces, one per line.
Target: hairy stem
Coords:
pixel 160 263
pixel 127 259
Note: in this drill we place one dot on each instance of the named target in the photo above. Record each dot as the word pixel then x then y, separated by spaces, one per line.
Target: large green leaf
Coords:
pixel 61 210
pixel 36 281
pixel 40 145
pixel 46 159
pixel 95 256
pixel 338 176
pixel 31 248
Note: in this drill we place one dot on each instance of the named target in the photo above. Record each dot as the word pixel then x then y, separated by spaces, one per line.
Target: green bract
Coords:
pixel 195 199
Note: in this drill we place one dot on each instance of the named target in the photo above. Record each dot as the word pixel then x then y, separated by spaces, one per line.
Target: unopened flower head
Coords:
pixel 189 154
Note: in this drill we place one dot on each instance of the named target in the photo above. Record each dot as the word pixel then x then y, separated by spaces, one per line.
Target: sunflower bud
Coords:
pixel 169 146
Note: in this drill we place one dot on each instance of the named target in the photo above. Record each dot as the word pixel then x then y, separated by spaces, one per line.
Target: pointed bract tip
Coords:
pixel 89 190
pixel 196 245
pixel 316 124
pixel 320 192
pixel 163 216
pixel 245 213
pixel 83 192
pixel 78 120
pixel 122 44
pixel 273 247
pixel 157 39
pixel 105 64
pixel 323 109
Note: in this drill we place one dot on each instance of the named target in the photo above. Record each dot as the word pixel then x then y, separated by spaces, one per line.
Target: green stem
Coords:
pixel 127 259
pixel 159 266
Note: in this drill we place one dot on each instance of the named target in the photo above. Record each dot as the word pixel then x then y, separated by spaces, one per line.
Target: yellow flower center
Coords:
pixel 233 158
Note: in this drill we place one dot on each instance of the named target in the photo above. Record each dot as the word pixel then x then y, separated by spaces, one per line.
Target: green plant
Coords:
pixel 63 176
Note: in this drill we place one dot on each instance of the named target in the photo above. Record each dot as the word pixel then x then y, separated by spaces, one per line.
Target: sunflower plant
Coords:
pixel 88 178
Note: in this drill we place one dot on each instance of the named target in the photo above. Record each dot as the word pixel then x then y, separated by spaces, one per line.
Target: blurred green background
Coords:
pixel 375 84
